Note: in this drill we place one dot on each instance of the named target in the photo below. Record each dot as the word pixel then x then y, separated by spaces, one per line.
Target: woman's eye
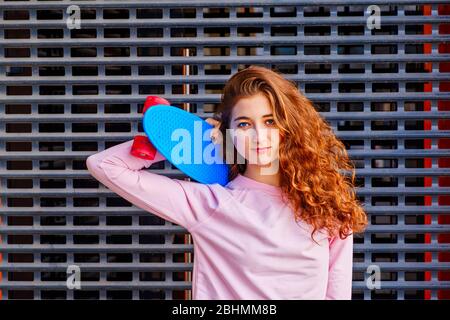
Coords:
pixel 240 125
pixel 271 121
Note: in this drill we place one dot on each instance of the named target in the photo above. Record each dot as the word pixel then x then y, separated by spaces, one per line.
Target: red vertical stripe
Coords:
pixel 444 124
pixel 427 48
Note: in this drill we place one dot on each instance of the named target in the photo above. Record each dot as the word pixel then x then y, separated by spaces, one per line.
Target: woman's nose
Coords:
pixel 260 135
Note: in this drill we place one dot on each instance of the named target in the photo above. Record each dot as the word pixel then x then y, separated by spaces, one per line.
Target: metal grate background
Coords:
pixel 67 93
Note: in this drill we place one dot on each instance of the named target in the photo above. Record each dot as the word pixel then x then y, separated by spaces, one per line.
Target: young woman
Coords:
pixel 282 228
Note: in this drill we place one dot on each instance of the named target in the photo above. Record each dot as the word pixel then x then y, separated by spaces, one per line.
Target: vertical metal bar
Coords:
pixel 187 237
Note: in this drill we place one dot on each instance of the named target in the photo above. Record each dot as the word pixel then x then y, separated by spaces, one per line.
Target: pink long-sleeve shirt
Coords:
pixel 247 244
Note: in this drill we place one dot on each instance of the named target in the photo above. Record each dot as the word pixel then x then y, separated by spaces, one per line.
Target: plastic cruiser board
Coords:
pixel 183 138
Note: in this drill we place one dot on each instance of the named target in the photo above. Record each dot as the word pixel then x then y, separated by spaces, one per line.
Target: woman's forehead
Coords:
pixel 253 107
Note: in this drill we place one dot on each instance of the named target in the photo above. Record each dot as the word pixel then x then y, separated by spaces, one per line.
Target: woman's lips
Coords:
pixel 261 150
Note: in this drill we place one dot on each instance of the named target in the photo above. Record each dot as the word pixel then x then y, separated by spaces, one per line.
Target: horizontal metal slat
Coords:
pixel 102 284
pixel 387 134
pixel 139 79
pixel 235 40
pixel 396 153
pixel 203 3
pixel 42 285
pixel 215 98
pixel 404 266
pixel 223 22
pixel 96 248
pixel 401 284
pixel 103 192
pixel 70 211
pixel 59 267
pixel 395 228
pixel 176 174
pixel 148 267
pixel 69 174
pixel 164 229
pixel 401 247
pixel 357 58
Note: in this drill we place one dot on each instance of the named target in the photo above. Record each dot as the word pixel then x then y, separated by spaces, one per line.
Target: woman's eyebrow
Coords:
pixel 247 118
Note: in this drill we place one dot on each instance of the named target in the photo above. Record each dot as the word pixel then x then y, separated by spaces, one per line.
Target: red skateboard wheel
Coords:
pixel 142 147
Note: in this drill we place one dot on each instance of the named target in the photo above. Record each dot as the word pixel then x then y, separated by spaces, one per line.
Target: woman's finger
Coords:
pixel 213 122
pixel 215 132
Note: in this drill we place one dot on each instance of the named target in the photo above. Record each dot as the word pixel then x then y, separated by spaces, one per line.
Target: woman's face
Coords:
pixel 256 136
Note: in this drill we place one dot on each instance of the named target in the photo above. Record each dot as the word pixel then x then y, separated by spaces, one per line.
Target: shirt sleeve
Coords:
pixel 182 202
pixel 340 268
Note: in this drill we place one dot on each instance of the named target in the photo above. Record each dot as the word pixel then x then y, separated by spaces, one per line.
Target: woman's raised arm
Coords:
pixel 185 203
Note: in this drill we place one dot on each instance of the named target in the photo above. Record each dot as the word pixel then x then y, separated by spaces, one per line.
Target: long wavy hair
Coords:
pixel 310 155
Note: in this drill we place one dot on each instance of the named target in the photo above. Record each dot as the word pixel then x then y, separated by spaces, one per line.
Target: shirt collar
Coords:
pixel 243 182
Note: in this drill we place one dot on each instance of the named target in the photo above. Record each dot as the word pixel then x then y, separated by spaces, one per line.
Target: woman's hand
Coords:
pixel 216 135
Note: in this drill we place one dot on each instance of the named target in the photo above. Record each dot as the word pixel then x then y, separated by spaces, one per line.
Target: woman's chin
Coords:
pixel 264 161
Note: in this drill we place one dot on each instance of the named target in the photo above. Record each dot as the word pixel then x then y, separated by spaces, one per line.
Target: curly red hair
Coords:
pixel 312 184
